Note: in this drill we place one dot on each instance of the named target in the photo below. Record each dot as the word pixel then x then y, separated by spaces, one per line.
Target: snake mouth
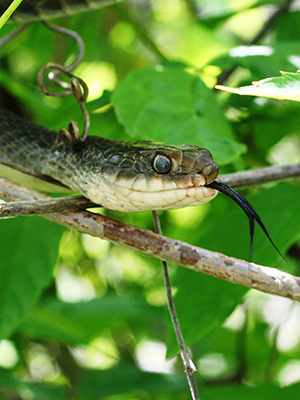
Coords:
pixel 141 197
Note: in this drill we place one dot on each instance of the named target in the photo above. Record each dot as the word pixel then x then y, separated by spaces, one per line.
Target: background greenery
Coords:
pixel 81 318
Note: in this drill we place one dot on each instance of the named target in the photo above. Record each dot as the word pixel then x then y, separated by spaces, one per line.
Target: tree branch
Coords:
pixel 45 206
pixel 262 175
pixel 269 280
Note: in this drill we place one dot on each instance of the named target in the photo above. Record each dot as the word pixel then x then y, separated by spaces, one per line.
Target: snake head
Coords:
pixel 144 176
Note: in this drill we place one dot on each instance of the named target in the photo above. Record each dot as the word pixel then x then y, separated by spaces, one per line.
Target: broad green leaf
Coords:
pixel 285 29
pixel 270 122
pixel 28 248
pixel 76 323
pixel 125 379
pixel 172 105
pixel 286 87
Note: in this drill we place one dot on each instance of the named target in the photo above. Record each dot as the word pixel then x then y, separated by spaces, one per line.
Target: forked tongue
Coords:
pixel 248 210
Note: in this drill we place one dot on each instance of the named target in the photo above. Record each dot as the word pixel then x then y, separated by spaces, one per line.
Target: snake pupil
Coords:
pixel 162 164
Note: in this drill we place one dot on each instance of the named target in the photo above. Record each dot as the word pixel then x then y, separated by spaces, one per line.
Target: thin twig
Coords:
pixel 265 279
pixel 189 366
pixel 262 175
pixel 12 34
pixel 141 31
pixel 74 35
pixel 283 8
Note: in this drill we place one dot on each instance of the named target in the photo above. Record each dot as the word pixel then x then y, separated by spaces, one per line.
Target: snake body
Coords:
pixel 30 10
pixel 118 175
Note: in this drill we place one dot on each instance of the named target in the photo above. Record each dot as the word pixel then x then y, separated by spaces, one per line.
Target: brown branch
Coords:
pixel 45 206
pixel 262 175
pixel 269 280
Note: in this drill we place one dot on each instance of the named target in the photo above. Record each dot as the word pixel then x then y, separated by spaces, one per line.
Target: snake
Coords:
pixel 121 176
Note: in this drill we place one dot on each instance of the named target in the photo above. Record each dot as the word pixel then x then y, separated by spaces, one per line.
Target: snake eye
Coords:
pixel 162 164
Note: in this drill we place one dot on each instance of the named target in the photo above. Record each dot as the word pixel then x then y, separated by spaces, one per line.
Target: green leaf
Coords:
pixel 237 392
pixel 286 87
pixel 125 379
pixel 172 105
pixel 29 248
pixel 202 303
pixel 285 30
pixel 76 323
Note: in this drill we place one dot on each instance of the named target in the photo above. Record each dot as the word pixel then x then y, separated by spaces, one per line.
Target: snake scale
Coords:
pixel 121 176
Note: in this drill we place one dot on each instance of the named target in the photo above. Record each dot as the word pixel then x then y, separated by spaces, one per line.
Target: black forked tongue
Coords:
pixel 248 210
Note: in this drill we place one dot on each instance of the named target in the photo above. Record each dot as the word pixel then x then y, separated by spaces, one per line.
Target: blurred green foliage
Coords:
pixel 85 319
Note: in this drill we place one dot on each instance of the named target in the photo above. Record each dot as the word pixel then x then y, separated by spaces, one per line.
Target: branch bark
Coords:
pixel 262 175
pixel 45 206
pixel 269 280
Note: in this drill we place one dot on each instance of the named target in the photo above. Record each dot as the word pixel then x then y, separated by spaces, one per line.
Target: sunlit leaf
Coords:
pixel 286 87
